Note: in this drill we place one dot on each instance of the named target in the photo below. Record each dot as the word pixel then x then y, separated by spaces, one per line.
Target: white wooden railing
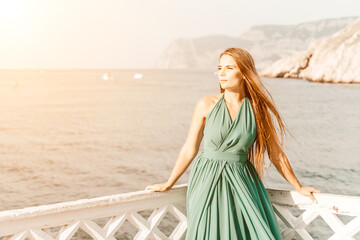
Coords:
pixel 104 217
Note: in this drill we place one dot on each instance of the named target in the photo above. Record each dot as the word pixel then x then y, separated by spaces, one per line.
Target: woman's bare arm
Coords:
pixel 282 164
pixel 192 143
pixel 190 148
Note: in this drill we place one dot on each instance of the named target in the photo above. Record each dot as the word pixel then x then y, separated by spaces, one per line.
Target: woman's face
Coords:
pixel 229 74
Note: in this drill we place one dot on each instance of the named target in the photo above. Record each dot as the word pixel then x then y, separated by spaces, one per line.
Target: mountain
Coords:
pixel 334 59
pixel 266 43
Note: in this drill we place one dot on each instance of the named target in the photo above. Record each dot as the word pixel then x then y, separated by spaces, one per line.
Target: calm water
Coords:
pixel 66 135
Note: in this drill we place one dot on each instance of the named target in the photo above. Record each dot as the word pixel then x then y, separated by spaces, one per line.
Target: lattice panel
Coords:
pixel 148 229
pixel 296 226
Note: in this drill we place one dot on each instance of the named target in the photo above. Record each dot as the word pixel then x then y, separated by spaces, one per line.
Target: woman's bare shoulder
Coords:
pixel 206 103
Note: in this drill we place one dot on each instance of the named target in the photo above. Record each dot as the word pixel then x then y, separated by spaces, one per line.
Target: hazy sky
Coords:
pixel 132 34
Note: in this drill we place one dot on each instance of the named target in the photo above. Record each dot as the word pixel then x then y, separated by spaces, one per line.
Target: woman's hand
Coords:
pixel 308 192
pixel 160 187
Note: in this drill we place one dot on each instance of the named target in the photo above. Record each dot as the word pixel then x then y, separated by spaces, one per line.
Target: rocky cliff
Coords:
pixel 334 59
pixel 266 43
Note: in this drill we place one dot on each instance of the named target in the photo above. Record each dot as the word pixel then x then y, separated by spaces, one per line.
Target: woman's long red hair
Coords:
pixel 262 104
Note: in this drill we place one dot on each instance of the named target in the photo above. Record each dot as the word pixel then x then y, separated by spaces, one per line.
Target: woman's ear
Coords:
pixel 242 75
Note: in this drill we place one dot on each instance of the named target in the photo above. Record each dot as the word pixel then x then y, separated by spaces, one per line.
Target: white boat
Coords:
pixel 107 77
pixel 138 76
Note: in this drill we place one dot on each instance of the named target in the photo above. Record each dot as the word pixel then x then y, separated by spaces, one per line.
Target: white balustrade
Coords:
pixel 63 221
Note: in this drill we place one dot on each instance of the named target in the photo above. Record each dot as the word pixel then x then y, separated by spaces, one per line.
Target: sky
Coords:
pixel 94 34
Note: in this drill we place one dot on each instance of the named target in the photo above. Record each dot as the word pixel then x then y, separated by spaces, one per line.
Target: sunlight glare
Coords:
pixel 11 11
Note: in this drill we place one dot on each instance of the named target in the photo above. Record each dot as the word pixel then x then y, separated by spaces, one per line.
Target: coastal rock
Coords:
pixel 266 43
pixel 334 59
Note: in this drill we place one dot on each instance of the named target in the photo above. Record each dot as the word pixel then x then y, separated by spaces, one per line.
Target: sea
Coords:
pixel 68 134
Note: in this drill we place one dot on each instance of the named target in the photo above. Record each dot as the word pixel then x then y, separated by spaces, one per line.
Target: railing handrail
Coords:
pixel 340 204
pixel 335 203
pixel 87 203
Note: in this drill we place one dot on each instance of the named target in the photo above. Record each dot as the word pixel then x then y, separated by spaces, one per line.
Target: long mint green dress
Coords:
pixel 226 199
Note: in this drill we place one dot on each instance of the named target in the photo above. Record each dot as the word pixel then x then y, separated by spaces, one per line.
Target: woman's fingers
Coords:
pixel 312 197
pixel 150 188
pixel 315 190
pixel 308 191
pixel 154 188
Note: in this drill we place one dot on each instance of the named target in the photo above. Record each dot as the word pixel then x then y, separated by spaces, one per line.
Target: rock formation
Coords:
pixel 334 59
pixel 266 43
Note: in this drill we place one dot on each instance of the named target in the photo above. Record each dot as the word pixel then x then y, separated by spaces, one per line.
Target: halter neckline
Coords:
pixel 227 110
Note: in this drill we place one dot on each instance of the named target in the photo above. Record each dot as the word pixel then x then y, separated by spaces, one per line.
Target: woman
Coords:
pixel 226 198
